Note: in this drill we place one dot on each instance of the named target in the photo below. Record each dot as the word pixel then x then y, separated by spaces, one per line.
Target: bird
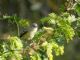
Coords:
pixel 30 33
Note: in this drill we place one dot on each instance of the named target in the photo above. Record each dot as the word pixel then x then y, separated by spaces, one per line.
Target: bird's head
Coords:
pixel 34 25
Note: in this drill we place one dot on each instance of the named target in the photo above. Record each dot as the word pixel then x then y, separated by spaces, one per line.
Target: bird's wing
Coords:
pixel 23 33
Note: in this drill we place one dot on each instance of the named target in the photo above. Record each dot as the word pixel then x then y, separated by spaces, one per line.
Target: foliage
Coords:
pixel 10 48
pixel 49 41
pixel 17 21
pixel 53 38
pixel 77 7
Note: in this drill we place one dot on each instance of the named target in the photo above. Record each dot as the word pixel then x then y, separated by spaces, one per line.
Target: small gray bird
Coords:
pixel 28 35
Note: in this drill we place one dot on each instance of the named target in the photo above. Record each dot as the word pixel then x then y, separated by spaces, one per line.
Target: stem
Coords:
pixel 17 26
pixel 17 29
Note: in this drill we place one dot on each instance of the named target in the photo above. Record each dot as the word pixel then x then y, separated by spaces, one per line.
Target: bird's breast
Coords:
pixel 32 33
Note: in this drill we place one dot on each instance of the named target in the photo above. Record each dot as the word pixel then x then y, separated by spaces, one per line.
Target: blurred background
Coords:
pixel 34 10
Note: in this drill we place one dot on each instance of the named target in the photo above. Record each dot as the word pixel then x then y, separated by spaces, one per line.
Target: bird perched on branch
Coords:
pixel 29 34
